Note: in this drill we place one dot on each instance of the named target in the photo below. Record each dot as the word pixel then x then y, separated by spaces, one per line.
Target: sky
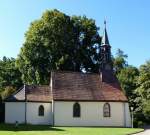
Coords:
pixel 128 23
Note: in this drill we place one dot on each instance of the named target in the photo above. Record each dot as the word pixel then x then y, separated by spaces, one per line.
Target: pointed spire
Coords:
pixel 105 40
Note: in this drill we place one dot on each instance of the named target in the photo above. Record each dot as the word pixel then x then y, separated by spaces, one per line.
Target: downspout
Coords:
pixel 25 104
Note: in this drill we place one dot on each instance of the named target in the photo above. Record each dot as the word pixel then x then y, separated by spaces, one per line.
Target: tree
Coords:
pixel 143 82
pixel 58 42
pixel 127 76
pixel 128 80
pixel 120 61
pixel 9 73
pixel 10 76
pixel 7 92
pixel 143 91
pixel 146 109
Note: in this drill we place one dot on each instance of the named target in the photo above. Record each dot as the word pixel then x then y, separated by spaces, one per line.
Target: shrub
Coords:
pixel 140 124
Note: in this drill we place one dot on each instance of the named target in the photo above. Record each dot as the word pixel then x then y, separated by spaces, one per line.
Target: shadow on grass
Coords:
pixel 11 127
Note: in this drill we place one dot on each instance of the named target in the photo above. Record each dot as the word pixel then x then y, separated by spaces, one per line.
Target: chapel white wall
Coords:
pixel 34 118
pixel 127 115
pixel 91 114
pixel 14 111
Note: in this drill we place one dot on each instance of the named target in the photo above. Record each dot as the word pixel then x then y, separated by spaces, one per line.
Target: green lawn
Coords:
pixel 46 130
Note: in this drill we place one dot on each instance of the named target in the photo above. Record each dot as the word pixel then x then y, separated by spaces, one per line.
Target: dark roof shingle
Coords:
pixel 86 87
pixel 74 86
pixel 32 93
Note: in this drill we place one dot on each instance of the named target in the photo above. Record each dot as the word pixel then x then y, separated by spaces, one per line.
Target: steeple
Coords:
pixel 105 40
pixel 105 52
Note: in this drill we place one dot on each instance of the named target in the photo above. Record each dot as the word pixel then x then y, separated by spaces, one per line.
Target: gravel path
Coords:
pixel 146 132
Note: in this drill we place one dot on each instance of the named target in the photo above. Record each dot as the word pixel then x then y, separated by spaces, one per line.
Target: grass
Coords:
pixel 47 130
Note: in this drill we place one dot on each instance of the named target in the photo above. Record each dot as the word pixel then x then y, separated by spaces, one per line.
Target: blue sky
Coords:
pixel 128 23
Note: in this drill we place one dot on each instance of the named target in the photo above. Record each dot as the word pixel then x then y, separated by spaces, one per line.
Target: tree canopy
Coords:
pixel 9 73
pixel 120 61
pixel 142 91
pixel 10 76
pixel 58 42
pixel 126 74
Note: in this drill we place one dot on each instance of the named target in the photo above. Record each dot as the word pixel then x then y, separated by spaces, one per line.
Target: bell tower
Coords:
pixel 105 52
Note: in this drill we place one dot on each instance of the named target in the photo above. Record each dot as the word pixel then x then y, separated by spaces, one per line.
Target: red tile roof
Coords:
pixel 31 94
pixel 86 87
pixel 39 93
pixel 74 86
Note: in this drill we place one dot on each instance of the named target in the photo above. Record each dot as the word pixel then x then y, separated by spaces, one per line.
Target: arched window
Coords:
pixel 106 110
pixel 41 110
pixel 76 110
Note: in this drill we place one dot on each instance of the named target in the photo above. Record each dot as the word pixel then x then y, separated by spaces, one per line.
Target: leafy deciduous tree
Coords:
pixel 58 42
pixel 120 62
pixel 143 90
pixel 10 76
